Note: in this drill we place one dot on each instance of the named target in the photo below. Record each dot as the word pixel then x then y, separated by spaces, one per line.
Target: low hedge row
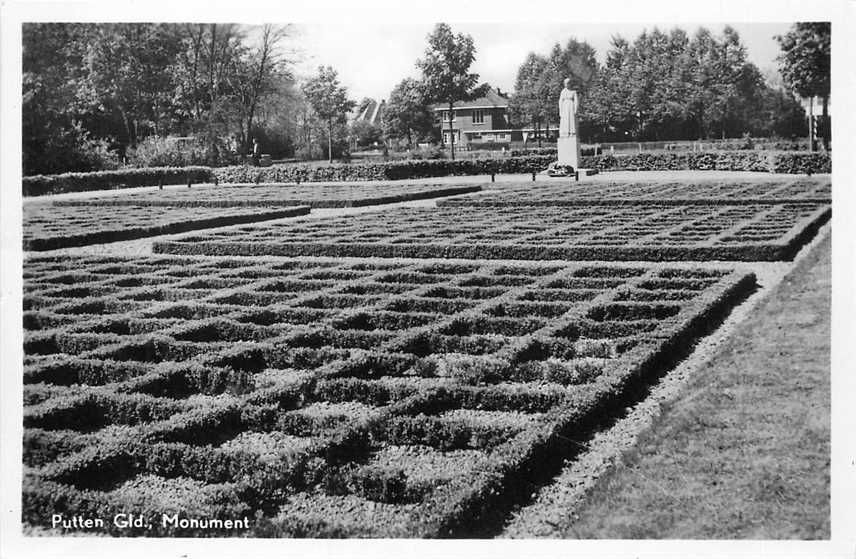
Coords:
pixel 760 161
pixel 392 170
pixel 40 185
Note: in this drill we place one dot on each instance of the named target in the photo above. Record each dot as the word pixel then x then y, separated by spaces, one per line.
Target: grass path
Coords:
pixel 742 452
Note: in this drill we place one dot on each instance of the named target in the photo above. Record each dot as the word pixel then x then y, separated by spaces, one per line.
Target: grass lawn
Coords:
pixel 744 451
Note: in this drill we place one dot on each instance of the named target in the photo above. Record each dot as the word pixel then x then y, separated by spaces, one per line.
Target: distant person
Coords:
pixel 256 154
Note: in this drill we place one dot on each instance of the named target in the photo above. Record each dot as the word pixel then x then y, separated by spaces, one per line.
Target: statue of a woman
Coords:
pixel 568 102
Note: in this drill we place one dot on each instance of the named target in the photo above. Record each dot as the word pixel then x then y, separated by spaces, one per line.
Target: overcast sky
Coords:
pixel 371 58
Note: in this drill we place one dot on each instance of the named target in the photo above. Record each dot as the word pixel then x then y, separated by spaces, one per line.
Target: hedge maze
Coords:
pixel 314 195
pixel 323 398
pixel 48 227
pixel 407 372
pixel 644 231
pixel 102 219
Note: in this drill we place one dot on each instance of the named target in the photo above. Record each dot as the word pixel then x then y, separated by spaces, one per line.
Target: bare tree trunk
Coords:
pixel 211 89
pixel 127 124
pixel 269 38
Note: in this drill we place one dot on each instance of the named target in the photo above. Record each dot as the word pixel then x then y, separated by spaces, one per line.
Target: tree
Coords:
pixel 256 72
pixel 445 70
pixel 668 86
pixel 124 65
pixel 608 105
pixel 52 69
pixel 805 63
pixel 540 81
pixel 204 91
pixel 408 112
pixel 365 133
pixel 532 101
pixel 723 86
pixel 87 87
pixel 329 100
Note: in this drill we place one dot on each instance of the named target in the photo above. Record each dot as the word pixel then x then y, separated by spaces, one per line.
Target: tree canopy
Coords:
pixel 805 59
pixel 662 85
pixel 329 99
pixel 408 114
pixel 87 87
pixel 95 94
pixel 805 64
pixel 445 69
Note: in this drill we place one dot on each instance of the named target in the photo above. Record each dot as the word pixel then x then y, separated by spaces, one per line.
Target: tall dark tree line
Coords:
pixel 661 86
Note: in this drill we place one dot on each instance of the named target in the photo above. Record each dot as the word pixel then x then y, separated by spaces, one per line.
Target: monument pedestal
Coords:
pixel 569 151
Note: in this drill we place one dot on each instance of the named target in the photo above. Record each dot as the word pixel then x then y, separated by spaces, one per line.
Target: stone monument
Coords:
pixel 569 143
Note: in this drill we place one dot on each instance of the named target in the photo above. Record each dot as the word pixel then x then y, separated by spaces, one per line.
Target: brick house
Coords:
pixel 480 121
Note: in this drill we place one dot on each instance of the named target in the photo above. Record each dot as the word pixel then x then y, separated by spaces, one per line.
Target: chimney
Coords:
pixel 498 91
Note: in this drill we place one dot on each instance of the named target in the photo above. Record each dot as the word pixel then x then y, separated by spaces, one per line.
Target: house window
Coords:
pixel 457 136
pixel 478 116
pixel 446 116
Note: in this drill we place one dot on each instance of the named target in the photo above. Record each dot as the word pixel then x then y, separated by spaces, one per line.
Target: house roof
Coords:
pixel 492 100
pixel 373 112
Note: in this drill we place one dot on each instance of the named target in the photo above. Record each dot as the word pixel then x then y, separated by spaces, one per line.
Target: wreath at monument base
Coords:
pixel 557 170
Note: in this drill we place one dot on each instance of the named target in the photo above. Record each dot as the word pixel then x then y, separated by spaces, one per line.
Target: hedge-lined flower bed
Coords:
pixel 644 231
pixel 666 191
pixel 48 227
pixel 303 430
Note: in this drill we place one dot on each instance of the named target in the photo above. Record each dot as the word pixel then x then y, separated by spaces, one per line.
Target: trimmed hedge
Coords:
pixel 784 248
pixel 41 185
pixel 393 170
pixel 254 428
pixel 760 161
